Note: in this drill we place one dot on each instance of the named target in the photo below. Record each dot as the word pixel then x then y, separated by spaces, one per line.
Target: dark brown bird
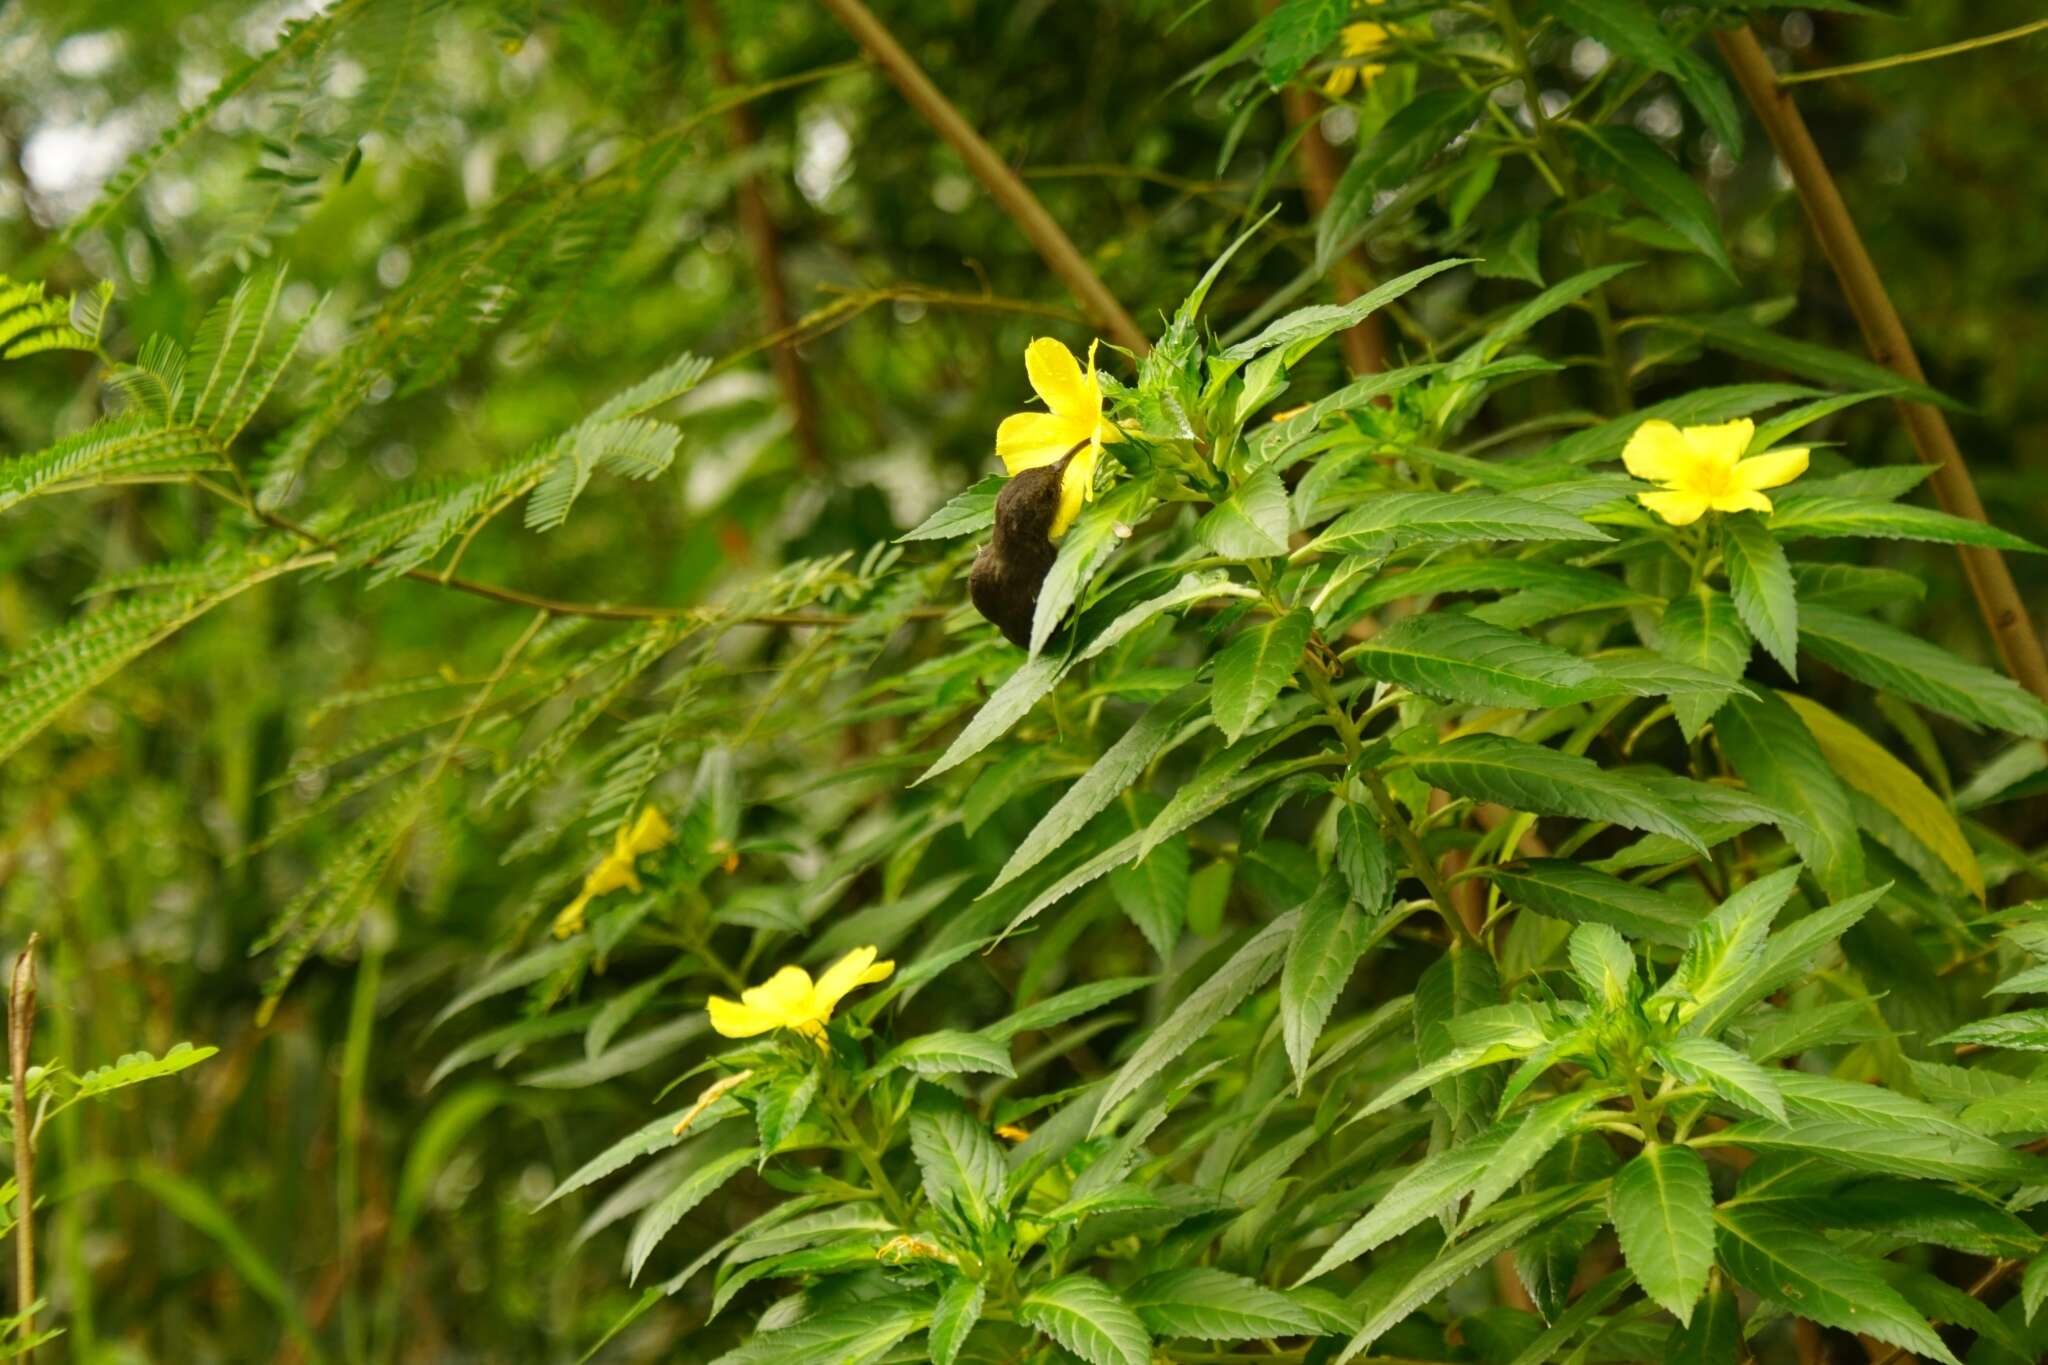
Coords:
pixel 1007 573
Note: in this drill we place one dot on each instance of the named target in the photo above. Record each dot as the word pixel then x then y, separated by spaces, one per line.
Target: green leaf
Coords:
pixel 1064 1006
pixel 1729 1074
pixel 1577 894
pixel 1090 1319
pixel 1422 1192
pixel 1662 1207
pixel 697 1185
pixel 948 1052
pixel 1153 893
pixel 1703 630
pixel 1454 1263
pixel 1215 1305
pixel 1453 657
pixel 137 1067
pixel 1885 1150
pixel 1798 517
pixel 961 1166
pixel 1332 936
pixel 1771 749
pixel 1724 950
pixel 1303 328
pixel 1365 858
pixel 1793 1266
pixel 1866 766
pixel 2019 1031
pixel 1603 965
pixel 1630 29
pixel 1543 781
pixel 1252 523
pixel 1391 519
pixel 1297 31
pixel 1247 969
pixel 2020 1110
pixel 1121 763
pixel 863 1332
pixel 959 1309
pixel 1538 1129
pixel 1462 988
pixel 1635 162
pixel 966 513
pixel 1890 659
pixel 1713 1336
pixel 1760 580
pixel 1405 144
pixel 1737 335
pixel 1253 668
pixel 1083 549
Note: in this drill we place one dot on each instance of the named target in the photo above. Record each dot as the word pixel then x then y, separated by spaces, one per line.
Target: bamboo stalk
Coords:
pixel 1003 185
pixel 764 245
pixel 1998 600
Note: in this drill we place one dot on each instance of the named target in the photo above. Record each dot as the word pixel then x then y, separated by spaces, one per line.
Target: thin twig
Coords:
pixel 1998 600
pixel 1002 183
pixel 1908 58
pixel 21 1023
pixel 763 244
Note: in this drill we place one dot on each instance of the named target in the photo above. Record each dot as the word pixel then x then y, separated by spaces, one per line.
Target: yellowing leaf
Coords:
pixel 1862 763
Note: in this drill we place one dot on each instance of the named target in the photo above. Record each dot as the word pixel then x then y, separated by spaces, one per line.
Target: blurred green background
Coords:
pixel 312 1184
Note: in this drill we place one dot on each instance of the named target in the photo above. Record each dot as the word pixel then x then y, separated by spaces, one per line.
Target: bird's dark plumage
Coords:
pixel 1007 573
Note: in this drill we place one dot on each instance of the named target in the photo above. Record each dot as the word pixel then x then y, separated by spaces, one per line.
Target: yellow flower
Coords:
pixel 1027 440
pixel 790 999
pixel 1358 40
pixel 1010 1132
pixel 615 871
pixel 1702 469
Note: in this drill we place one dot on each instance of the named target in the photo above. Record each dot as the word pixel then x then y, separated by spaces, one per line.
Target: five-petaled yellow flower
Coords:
pixel 615 870
pixel 790 999
pixel 1359 40
pixel 1702 469
pixel 1027 440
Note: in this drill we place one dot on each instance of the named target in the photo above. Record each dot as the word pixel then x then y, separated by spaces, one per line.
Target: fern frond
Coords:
pixel 30 323
pixel 296 37
pixel 118 450
pixel 78 657
pixel 652 643
pixel 226 346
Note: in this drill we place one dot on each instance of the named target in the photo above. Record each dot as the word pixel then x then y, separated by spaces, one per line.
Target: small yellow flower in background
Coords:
pixel 790 999
pixel 1027 440
pixel 1010 1132
pixel 615 871
pixel 1703 471
pixel 1358 40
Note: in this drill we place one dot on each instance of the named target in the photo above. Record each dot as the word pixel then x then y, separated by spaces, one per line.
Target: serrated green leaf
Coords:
pixel 1888 658
pixel 1544 781
pixel 1579 895
pixel 1636 163
pixel 1088 1318
pixel 1771 749
pixel 1704 631
pixel 1395 519
pixel 1253 668
pixel 1215 1305
pixel 1729 1074
pixel 1252 523
pixel 948 1052
pixel 958 1310
pixel 961 1166
pixel 1760 581
pixel 1453 657
pixel 1327 944
pixel 1662 1207
pixel 1799 517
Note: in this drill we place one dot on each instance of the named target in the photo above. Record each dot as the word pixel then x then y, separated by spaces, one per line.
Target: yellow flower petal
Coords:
pixel 1719 447
pixel 1339 82
pixel 1077 486
pixel 788 995
pixel 1680 509
pixel 1770 470
pixel 1031 439
pixel 570 921
pixel 732 1019
pixel 1657 452
pixel 650 832
pixel 1056 378
pixel 1740 500
pixel 857 968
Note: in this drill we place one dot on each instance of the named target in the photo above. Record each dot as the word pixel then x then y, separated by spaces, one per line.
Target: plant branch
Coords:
pixel 763 244
pixel 1908 58
pixel 21 1022
pixel 1002 183
pixel 1998 600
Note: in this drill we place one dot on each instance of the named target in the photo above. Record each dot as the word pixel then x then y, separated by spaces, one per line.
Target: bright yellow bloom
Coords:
pixel 1027 440
pixel 790 999
pixel 1358 40
pixel 1010 1132
pixel 1702 469
pixel 615 871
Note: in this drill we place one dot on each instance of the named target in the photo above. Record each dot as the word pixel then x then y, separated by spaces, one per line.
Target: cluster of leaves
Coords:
pixel 1400 852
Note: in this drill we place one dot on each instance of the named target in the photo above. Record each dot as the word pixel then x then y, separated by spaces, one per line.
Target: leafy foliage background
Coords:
pixel 481 223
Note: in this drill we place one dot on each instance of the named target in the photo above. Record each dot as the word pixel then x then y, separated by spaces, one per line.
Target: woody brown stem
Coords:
pixel 764 245
pixel 1365 344
pixel 1003 185
pixel 1998 600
